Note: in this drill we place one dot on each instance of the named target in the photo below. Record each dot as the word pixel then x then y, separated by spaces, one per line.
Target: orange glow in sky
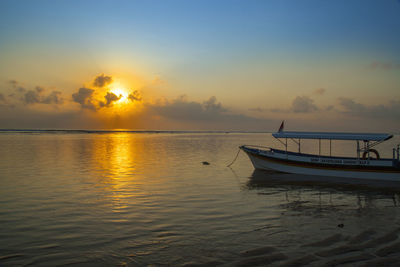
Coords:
pixel 123 94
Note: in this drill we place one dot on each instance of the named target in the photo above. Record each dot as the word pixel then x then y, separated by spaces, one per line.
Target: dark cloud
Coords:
pixel 38 96
pixel 15 85
pixel 319 91
pixel 329 108
pixel 110 98
pixel 303 104
pixel 209 112
pixel 181 109
pixel 28 118
pixel 300 104
pixel 347 106
pixel 53 98
pixel 135 96
pixel 31 97
pixel 39 89
pixel 211 105
pixel 351 107
pixel 102 80
pixel 257 109
pixel 84 97
pixel 87 99
pixel 381 65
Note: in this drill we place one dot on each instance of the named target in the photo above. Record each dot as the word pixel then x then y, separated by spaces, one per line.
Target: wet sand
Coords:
pixel 366 248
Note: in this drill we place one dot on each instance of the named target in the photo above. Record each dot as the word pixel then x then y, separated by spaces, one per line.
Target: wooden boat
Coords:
pixel 367 164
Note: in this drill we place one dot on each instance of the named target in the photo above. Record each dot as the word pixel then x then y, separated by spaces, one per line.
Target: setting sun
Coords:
pixel 122 94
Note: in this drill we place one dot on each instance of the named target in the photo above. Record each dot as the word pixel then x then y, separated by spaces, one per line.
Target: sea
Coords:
pixel 123 198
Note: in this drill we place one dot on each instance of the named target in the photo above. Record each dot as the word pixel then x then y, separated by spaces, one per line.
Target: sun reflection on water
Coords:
pixel 115 157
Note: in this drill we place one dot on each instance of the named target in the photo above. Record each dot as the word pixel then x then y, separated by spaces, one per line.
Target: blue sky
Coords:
pixel 189 26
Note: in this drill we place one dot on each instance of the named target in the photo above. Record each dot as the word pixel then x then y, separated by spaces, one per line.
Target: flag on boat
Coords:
pixel 282 126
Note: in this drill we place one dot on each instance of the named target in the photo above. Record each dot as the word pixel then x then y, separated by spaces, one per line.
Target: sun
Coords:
pixel 122 93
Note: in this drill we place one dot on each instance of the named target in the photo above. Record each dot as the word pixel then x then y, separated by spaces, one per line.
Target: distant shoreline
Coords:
pixel 83 131
pixel 119 131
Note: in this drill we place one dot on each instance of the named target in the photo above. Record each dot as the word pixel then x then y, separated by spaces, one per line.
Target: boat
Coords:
pixel 367 164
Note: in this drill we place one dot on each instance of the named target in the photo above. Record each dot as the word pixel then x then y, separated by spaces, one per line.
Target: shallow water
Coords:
pixel 141 199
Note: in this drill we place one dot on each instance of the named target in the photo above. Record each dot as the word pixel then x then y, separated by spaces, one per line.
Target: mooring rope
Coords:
pixel 235 158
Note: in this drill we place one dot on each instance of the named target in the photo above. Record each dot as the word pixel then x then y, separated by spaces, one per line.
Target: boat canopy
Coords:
pixel 333 136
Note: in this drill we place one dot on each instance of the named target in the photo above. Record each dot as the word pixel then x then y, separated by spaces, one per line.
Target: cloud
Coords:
pixel 300 104
pixel 53 98
pixel 92 99
pixel 38 96
pixel 257 109
pixel 389 110
pixel 102 80
pixel 181 109
pixel 319 91
pixel 303 104
pixel 15 85
pixel 381 65
pixel 209 112
pixel 31 97
pixel 84 97
pixel 211 105
pixel 89 99
pixel 110 98
pixel 135 96
pixel 350 105
pixel 181 113
pixel 27 118
pixel 329 108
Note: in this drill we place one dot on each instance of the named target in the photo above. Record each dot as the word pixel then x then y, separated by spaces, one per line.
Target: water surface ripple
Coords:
pixel 139 199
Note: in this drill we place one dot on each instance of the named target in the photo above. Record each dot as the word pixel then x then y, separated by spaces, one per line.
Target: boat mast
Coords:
pixel 398 152
pixel 286 147
pixel 319 147
pixel 299 145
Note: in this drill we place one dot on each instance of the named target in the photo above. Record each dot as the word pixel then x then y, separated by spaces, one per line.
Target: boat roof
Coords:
pixel 334 135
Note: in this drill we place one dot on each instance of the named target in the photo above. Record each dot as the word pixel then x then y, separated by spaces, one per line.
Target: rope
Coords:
pixel 235 158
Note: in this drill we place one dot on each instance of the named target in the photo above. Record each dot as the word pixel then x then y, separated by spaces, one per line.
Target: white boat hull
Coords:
pixel 267 160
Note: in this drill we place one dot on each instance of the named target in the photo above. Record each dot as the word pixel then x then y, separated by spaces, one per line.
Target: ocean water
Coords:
pixel 146 199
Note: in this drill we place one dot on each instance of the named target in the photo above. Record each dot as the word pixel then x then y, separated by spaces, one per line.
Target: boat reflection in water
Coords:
pixel 275 179
pixel 329 224
pixel 319 190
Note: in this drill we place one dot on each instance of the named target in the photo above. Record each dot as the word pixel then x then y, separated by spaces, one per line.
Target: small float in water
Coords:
pixel 366 165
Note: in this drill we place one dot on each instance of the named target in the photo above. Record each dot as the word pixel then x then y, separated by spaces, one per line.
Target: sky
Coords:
pixel 200 65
